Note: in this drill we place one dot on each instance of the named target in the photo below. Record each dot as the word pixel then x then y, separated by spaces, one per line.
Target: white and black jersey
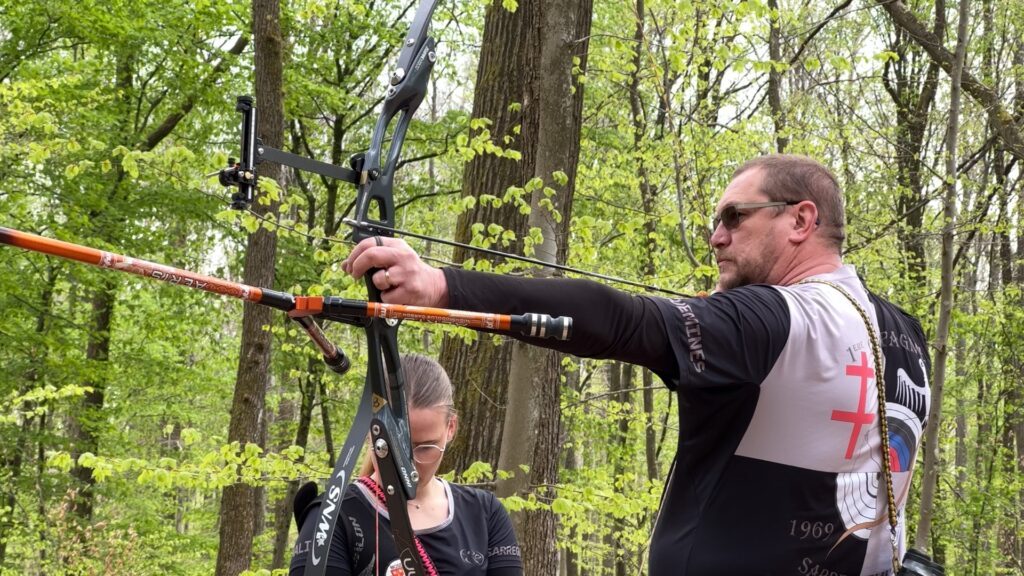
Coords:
pixel 476 539
pixel 778 464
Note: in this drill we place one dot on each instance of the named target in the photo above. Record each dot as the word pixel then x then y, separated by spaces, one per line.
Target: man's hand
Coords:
pixel 401 276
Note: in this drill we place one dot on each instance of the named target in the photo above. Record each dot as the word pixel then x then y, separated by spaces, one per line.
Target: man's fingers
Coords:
pixel 361 247
pixel 398 272
pixel 369 254
pixel 399 295
pixel 382 280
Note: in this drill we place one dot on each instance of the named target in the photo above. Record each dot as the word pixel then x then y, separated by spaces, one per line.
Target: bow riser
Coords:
pixel 376 191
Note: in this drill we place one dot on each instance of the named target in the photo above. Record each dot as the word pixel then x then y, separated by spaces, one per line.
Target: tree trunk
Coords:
pixel 84 426
pixel 775 77
pixel 622 462
pixel 552 115
pixel 239 514
pixel 913 101
pixel 531 430
pixel 1015 401
pixel 648 198
pixel 325 419
pixel 286 412
pixel 1015 396
pixel 128 131
pixel 931 460
pixel 283 515
pixel 40 487
pixel 13 455
pixel 480 369
pixel 961 453
pixel 573 461
pixel 614 451
pixel 650 437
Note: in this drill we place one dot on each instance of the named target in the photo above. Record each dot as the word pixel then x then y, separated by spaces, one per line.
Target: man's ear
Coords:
pixel 806 221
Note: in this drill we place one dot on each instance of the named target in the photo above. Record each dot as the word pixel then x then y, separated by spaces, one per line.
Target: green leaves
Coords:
pixel 480 141
pixel 85 84
pixel 210 470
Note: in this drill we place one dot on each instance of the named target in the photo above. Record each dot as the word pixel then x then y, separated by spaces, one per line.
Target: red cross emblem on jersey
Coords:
pixel 860 417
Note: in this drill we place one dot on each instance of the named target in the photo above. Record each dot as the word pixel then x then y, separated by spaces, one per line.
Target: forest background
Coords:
pixel 149 429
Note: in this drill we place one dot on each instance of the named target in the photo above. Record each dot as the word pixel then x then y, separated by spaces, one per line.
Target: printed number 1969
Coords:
pixel 808 529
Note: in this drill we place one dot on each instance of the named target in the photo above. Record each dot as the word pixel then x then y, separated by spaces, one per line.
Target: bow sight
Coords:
pixel 243 174
pixel 406 90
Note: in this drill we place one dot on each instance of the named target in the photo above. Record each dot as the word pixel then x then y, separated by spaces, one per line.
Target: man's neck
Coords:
pixel 815 267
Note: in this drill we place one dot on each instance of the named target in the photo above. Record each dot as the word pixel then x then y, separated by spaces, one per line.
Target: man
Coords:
pixel 778 464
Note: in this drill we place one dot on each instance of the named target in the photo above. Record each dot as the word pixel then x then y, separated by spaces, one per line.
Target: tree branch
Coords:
pixel 1001 119
pixel 173 119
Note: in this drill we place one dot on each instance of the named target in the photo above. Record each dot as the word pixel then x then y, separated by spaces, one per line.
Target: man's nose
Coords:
pixel 720 236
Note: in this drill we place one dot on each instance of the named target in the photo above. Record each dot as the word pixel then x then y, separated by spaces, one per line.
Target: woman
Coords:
pixel 463 530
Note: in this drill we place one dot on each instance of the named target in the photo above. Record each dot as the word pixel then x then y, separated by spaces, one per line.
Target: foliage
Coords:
pixel 85 88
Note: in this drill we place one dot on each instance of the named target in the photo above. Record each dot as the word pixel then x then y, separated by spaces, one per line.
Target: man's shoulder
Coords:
pixel 882 302
pixel 891 312
pixel 750 295
pixel 899 328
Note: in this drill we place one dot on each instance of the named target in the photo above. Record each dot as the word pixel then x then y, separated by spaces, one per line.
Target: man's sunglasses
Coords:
pixel 731 215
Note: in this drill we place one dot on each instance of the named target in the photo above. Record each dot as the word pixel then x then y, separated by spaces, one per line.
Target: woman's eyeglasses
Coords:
pixel 731 215
pixel 427 453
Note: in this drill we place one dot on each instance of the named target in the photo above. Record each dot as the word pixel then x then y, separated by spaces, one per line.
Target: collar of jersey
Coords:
pixel 372 499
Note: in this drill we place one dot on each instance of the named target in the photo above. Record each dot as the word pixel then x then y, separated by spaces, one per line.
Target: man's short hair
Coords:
pixel 794 177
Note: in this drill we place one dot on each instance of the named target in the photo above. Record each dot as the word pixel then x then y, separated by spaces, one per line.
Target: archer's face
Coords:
pixel 430 429
pixel 747 247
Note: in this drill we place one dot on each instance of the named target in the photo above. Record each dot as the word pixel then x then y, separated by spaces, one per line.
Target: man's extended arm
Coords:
pixel 607 323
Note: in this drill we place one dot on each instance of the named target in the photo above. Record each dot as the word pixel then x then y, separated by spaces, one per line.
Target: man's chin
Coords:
pixel 730 280
pixel 726 281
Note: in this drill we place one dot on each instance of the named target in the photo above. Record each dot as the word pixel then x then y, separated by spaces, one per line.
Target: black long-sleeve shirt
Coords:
pixel 779 451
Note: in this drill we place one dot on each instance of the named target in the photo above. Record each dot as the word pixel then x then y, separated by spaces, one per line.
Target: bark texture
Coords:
pixel 479 370
pixel 556 32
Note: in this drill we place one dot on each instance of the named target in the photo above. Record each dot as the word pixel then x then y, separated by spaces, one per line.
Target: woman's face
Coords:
pixel 431 429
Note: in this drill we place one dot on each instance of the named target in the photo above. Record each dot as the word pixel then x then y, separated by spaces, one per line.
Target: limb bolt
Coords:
pixel 380 448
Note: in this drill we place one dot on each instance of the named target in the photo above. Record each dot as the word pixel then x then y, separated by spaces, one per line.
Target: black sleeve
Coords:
pixel 729 338
pixel 504 557
pixel 337 558
pixel 607 323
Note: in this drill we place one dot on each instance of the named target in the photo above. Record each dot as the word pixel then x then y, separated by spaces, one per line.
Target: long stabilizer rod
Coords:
pixel 330 307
